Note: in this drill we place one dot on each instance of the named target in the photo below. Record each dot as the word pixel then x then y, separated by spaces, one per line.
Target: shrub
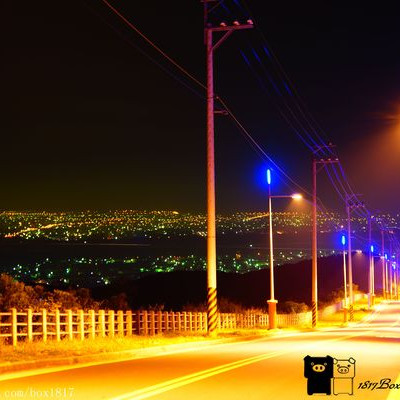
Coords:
pixel 291 307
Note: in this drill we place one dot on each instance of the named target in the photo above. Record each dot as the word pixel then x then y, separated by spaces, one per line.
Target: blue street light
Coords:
pixel 386 256
pixel 344 279
pixel 269 176
pixel 372 248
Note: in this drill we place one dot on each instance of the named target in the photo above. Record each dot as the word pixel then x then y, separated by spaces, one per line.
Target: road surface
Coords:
pixel 266 369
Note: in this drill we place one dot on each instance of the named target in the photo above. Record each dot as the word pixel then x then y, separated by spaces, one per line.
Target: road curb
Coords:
pixel 124 355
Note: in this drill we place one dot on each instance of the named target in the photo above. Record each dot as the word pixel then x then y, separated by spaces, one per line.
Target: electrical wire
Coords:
pixel 194 79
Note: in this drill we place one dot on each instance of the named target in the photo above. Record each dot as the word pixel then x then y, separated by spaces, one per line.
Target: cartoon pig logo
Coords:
pixel 343 375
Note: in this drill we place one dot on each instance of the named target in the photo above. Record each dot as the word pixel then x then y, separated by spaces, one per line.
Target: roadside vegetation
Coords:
pixel 14 294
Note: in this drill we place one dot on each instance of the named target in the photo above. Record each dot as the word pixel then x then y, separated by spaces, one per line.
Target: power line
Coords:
pixel 253 142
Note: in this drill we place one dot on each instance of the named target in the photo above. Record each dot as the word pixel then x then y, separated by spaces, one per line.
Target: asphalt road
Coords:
pixel 268 369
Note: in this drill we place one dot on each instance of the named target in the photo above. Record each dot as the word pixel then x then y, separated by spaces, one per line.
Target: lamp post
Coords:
pixel 344 279
pixel 383 265
pixel 385 260
pixel 372 276
pixel 272 301
pixel 397 276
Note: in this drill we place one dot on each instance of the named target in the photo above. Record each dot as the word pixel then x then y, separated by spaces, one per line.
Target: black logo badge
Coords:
pixel 327 374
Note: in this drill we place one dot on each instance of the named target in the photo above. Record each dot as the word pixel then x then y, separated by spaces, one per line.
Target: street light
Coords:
pixel 272 301
pixel 385 261
pixel 344 279
pixel 372 276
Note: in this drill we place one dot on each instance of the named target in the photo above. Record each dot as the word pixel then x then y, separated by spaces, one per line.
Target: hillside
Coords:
pixel 292 282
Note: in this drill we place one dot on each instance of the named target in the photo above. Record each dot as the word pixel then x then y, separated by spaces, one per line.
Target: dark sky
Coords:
pixel 89 121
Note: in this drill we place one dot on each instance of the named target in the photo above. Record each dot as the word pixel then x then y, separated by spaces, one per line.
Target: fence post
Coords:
pixel 196 322
pixel 145 323
pixel 58 331
pixel 111 322
pixel 190 321
pixel 92 317
pixel 14 328
pixel 70 327
pixel 120 319
pixel 44 324
pixel 81 324
pixel 152 324
pixel 29 323
pixel 178 314
pixel 102 322
pixel 172 321
pixel 129 323
pixel 159 322
pixel 166 321
pixel 139 330
pixel 184 321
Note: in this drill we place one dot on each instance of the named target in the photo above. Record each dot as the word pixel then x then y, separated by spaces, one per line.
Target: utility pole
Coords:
pixel 371 290
pixel 349 262
pixel 314 252
pixel 351 203
pixel 390 269
pixel 314 267
pixel 397 274
pixel 383 265
pixel 227 30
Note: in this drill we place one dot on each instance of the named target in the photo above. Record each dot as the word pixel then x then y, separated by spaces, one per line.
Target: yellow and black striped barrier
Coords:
pixel 314 314
pixel 351 313
pixel 212 310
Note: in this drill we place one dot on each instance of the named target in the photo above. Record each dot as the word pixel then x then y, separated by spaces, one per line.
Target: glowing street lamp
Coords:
pixel 272 301
pixel 385 261
pixel 372 276
pixel 344 279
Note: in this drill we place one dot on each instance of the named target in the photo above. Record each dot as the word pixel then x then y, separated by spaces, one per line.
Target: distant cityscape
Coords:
pixel 82 243
pixel 129 224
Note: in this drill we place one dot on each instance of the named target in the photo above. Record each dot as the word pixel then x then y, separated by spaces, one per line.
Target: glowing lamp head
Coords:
pixel 343 240
pixel 297 196
pixel 372 248
pixel 268 176
pixel 385 256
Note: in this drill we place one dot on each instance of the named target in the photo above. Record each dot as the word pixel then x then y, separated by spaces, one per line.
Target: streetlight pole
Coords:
pixel 397 275
pixel 372 276
pixel 211 228
pixel 390 269
pixel 383 265
pixel 272 302
pixel 344 280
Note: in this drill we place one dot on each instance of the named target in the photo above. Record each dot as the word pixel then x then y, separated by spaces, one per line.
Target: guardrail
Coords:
pixel 28 326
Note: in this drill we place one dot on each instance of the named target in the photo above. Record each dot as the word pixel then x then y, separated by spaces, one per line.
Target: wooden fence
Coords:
pixel 56 325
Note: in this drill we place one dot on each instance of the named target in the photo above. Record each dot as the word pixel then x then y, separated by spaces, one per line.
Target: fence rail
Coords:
pixel 18 326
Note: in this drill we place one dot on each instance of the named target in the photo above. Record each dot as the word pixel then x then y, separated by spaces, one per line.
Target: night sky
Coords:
pixel 89 121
